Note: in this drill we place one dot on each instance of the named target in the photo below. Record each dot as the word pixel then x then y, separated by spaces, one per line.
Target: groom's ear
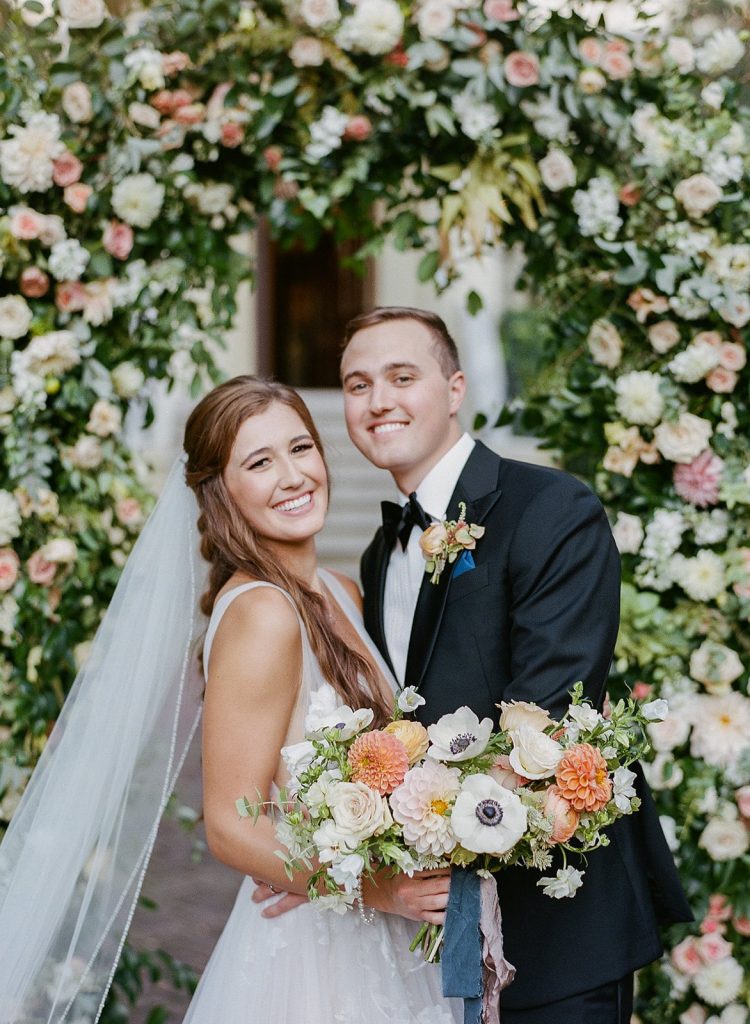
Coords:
pixel 457 391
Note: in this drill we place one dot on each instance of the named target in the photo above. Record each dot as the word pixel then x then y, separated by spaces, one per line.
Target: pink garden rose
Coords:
pixel 564 818
pixel 500 10
pixel 272 156
pixel 174 62
pixel 25 224
pixel 713 947
pixel 616 65
pixel 232 134
pixel 722 381
pixel 118 239
pixel 33 283
pixel 591 50
pixel 643 302
pixel 77 196
pixel 70 296
pixel 521 69
pixel 742 796
pixel 685 956
pixel 40 570
pixel 358 128
pixel 732 356
pixel 67 169
pixel 9 563
pixel 502 772
pixel 641 690
pixel 697 482
pixel 129 511
pixel 191 113
pixel 742 925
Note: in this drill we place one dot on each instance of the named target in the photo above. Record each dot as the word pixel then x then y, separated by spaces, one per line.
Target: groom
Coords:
pixel 537 611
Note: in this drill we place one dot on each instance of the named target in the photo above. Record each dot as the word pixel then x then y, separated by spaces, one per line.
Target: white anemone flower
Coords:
pixel 563 884
pixel 486 817
pixel 409 699
pixel 458 736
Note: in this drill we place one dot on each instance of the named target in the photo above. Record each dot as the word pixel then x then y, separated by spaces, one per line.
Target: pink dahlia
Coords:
pixel 379 760
pixel 697 482
pixel 422 806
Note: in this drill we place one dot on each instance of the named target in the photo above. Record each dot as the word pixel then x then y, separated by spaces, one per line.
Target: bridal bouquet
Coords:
pixel 455 793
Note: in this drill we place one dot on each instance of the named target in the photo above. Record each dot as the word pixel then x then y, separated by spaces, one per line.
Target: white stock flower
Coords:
pixel 597 208
pixel 703 577
pixel 331 842
pixel 346 871
pixel 15 317
pixel 663 534
pixel 138 199
pixel 316 796
pixel 694 362
pixel 724 840
pixel 628 533
pixel 585 717
pixel 10 517
pixel 82 13
pixel 711 527
pixel 358 811
pixel 562 885
pixel 374 27
pixel 298 757
pixel 721 728
pixel 605 344
pixel 684 440
pixel 458 736
pixel 326 133
pixel 534 754
pixel 655 710
pixel 317 13
pixel 623 790
pixel 713 95
pixel 409 700
pixel 486 817
pixel 421 805
pixel 720 52
pixel 68 260
pixel 26 158
pixel 720 982
pixel 639 398
pixel 557 170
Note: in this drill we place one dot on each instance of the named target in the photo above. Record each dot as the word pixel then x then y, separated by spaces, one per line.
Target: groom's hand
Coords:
pixel 285 900
pixel 423 897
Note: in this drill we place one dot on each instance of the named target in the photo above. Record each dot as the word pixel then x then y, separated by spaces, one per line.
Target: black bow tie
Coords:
pixel 398 520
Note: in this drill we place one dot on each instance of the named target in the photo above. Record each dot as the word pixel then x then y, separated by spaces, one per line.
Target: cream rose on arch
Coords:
pixel 557 170
pixel 82 13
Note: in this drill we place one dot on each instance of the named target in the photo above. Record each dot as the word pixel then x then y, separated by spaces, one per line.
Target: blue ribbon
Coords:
pixel 461 956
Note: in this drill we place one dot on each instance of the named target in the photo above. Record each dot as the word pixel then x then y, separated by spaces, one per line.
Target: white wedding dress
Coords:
pixel 315 966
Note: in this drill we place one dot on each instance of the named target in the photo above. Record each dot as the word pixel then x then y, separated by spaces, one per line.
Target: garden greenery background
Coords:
pixel 132 152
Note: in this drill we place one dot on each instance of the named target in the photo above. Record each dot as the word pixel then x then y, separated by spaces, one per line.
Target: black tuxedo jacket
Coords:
pixel 539 611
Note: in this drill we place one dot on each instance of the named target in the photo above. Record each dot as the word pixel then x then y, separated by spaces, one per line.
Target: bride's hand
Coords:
pixel 423 897
pixel 286 900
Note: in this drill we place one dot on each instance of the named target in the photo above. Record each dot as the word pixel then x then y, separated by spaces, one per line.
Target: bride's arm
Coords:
pixel 254 674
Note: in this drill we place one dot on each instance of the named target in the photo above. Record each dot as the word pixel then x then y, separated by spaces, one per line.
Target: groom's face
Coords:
pixel 400 408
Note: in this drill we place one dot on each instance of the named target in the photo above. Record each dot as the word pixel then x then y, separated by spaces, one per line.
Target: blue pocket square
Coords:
pixel 464 563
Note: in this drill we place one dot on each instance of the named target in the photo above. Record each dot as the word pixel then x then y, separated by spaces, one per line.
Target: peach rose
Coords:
pixel 358 128
pixel 515 713
pixel 721 381
pixel 34 283
pixel 521 69
pixel 564 818
pixel 40 570
pixel 66 170
pixel 643 302
pixel 433 539
pixel 232 134
pixel 502 772
pixel 732 356
pixel 629 194
pixel 118 239
pixel 708 338
pixel 25 223
pixel 685 956
pixel 9 563
pixel 77 196
pixel 70 296
pixel 698 194
pixel 413 735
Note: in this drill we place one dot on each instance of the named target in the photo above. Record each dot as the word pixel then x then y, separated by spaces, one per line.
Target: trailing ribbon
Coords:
pixel 473 965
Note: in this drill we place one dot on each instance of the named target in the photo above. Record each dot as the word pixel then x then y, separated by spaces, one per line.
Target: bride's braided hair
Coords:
pixel 229 544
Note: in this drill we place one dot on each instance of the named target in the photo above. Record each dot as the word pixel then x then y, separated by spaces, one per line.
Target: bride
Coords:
pixel 281 630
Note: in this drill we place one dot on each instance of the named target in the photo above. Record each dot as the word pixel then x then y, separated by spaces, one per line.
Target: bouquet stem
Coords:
pixel 430 939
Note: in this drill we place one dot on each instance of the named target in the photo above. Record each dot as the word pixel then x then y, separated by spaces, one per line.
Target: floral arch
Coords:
pixel 133 151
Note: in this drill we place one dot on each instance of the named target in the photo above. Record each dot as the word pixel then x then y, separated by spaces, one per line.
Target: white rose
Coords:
pixel 86 453
pixel 724 840
pixel 15 317
pixel 628 533
pixel 374 27
pixel 670 733
pixel 434 18
pixel 318 13
pixel 105 419
pixel 60 550
pixel 82 13
pixel 127 380
pixel 605 344
pixel 684 440
pixel 720 52
pixel 534 755
pixel 639 398
pixel 699 194
pixel 557 170
pixel 138 200
pixel 663 336
pixel 76 102
pixel 358 811
pixel 694 362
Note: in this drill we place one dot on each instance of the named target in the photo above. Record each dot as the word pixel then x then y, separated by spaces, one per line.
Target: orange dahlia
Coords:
pixel 379 760
pixel 583 778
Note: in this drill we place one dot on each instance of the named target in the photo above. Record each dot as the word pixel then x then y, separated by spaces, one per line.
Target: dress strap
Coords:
pixel 223 603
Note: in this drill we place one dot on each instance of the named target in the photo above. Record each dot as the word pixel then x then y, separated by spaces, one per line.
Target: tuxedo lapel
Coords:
pixel 477 488
pixel 375 592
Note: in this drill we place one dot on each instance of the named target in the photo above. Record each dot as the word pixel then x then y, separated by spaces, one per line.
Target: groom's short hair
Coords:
pixel 445 349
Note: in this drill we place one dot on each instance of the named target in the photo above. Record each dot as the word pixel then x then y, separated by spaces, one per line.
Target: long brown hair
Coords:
pixel 231 545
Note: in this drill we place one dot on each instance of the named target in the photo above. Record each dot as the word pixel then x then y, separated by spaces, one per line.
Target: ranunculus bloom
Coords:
pixel 40 570
pixel 70 296
pixel 379 760
pixel 358 128
pixel 129 511
pixel 272 156
pixel 685 956
pixel 583 778
pixel 629 194
pixel 697 482
pixel 232 134
pixel 413 735
pixel 118 239
pixel 33 283
pixel 432 539
pixel 9 563
pixel 502 772
pixel 25 223
pixel 500 10
pixel 521 69
pixel 564 817
pixel 722 381
pixel 77 196
pixel 66 170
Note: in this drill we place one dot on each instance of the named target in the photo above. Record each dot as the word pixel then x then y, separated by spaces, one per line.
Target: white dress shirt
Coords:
pixel 406 569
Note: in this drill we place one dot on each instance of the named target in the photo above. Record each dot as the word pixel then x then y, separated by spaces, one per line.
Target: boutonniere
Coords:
pixel 442 543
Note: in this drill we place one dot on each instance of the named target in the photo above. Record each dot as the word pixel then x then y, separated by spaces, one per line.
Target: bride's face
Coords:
pixel 277 477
